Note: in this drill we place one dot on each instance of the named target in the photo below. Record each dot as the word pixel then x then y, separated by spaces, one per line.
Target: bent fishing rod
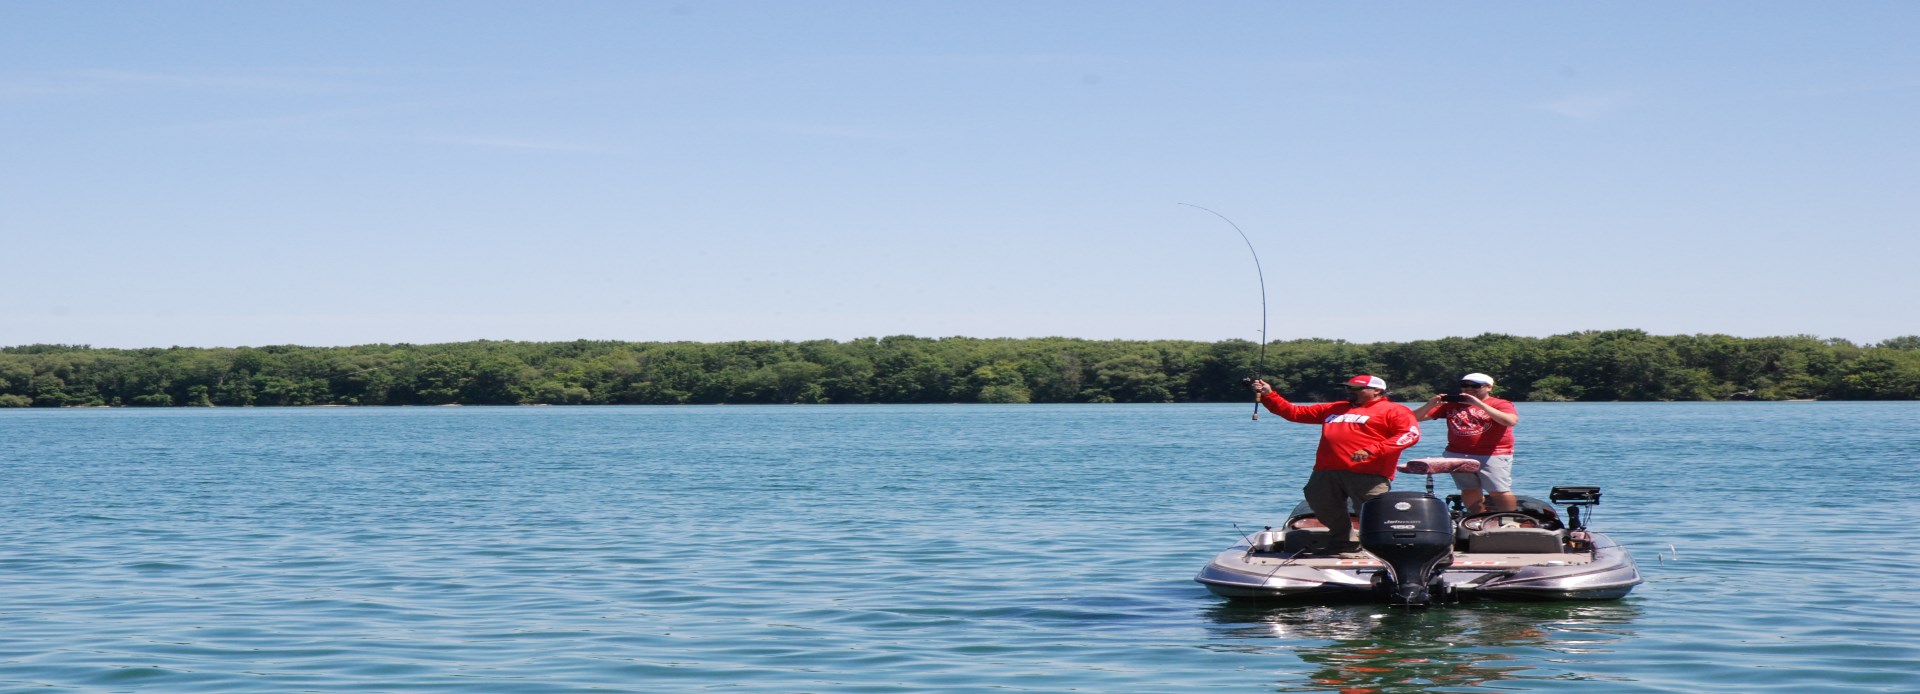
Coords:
pixel 1262 274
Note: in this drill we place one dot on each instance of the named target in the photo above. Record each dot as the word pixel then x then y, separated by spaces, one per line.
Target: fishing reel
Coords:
pixel 1256 402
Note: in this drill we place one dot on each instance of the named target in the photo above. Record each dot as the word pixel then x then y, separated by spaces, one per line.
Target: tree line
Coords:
pixel 1584 366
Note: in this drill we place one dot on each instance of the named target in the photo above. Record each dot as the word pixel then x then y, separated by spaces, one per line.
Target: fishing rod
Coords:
pixel 1246 537
pixel 1262 365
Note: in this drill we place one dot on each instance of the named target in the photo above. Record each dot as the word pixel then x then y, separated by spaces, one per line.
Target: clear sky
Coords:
pixel 330 173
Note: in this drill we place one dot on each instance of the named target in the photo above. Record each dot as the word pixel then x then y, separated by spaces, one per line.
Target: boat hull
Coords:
pixel 1606 573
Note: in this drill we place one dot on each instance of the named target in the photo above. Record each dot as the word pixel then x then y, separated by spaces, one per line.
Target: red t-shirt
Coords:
pixel 1382 428
pixel 1469 430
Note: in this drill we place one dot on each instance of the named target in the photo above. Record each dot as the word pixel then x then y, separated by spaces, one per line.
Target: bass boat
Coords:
pixel 1417 549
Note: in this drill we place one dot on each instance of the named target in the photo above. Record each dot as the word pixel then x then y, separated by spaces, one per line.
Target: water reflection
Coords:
pixel 1356 649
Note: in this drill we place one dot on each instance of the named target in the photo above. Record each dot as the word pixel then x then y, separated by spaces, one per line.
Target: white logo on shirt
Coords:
pixel 1468 421
pixel 1348 418
pixel 1412 436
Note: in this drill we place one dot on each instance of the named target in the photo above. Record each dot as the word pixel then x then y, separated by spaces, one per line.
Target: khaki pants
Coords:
pixel 1329 491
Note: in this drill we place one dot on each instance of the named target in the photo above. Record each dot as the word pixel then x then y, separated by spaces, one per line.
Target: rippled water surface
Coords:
pixel 883 549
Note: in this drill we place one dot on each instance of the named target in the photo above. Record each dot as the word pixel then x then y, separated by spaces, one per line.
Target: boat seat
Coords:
pixel 1439 466
pixel 1515 541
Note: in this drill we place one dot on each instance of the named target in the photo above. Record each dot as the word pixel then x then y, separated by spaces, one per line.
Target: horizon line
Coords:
pixel 1810 336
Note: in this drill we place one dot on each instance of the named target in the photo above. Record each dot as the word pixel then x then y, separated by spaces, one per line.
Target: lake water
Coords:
pixel 900 549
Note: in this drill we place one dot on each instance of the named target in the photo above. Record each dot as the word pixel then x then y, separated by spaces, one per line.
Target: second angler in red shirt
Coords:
pixel 1360 443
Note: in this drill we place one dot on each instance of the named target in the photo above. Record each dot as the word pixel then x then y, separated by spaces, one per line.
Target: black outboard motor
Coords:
pixel 1413 533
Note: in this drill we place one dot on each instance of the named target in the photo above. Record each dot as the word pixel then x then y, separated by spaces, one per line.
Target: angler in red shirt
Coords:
pixel 1479 426
pixel 1360 443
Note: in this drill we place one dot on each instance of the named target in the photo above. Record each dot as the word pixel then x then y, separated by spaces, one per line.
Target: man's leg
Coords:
pixel 1470 483
pixel 1365 487
pixel 1360 489
pixel 1329 503
pixel 1496 475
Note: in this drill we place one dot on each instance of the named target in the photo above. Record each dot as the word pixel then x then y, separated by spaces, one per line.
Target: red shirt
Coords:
pixel 1471 431
pixel 1381 428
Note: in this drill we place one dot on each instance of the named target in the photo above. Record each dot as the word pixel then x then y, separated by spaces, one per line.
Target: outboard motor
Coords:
pixel 1413 533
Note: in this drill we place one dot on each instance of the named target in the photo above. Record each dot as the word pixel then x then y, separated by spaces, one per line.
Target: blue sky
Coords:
pixel 328 173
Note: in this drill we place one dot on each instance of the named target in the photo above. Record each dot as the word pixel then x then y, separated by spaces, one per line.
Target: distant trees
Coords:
pixel 1594 365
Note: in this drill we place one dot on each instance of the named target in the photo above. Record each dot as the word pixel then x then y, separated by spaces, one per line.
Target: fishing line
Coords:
pixel 1262 273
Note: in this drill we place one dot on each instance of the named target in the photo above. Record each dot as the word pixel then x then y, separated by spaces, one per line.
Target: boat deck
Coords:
pixel 1461 560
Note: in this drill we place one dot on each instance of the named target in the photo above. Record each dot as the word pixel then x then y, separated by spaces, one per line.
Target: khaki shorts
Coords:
pixel 1495 475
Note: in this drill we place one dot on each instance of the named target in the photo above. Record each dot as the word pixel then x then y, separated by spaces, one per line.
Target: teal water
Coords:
pixel 898 549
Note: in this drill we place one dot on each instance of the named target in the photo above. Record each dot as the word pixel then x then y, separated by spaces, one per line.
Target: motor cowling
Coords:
pixel 1413 534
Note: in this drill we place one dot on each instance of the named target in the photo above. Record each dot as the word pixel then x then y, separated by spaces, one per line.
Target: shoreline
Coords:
pixel 896 404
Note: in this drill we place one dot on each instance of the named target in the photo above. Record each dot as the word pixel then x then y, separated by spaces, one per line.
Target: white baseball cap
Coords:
pixel 1366 381
pixel 1478 377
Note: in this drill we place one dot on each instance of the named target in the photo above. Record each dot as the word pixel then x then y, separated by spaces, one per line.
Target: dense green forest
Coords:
pixel 1600 365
